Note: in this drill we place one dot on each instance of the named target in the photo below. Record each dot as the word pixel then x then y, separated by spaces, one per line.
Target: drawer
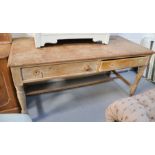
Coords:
pixel 56 71
pixel 123 63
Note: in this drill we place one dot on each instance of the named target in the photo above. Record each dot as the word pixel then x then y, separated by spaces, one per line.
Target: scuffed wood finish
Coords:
pixel 3 94
pixel 70 83
pixel 17 79
pixel 8 98
pixel 24 53
pixel 137 79
pixel 121 78
pixel 29 64
pixel 124 63
pixel 22 98
pixel 5 38
pixel 38 73
pixel 133 86
pixel 17 76
pixel 4 50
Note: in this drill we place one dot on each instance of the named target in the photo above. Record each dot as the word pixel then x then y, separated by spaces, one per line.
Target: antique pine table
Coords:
pixel 29 65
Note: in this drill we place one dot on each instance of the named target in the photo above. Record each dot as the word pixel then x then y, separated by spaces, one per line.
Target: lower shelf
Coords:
pixel 53 86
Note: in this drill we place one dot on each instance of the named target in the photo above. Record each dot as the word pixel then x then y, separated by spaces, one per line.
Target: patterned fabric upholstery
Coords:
pixel 139 108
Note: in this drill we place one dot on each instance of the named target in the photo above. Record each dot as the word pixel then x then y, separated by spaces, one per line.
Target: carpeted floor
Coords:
pixel 86 104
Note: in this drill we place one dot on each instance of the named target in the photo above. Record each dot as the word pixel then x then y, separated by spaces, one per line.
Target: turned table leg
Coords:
pixel 22 98
pixel 17 79
pixel 137 79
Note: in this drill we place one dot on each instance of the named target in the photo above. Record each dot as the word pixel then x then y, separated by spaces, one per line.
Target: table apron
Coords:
pixel 76 69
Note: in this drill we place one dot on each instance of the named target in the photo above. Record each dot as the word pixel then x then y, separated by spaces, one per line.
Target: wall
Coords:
pixel 135 37
pixel 17 35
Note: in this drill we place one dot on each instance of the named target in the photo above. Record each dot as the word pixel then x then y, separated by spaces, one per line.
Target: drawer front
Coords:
pixel 56 71
pixel 123 63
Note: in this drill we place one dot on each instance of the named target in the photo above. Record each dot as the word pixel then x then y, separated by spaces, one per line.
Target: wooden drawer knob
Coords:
pixel 37 73
pixel 87 68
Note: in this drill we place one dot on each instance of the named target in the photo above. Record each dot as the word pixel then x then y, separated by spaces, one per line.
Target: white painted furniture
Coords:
pixel 42 38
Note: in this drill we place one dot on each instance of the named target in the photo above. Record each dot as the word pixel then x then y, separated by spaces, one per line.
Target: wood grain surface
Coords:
pixel 124 63
pixel 45 72
pixel 29 64
pixel 4 50
pixel 5 38
pixel 8 98
pixel 24 53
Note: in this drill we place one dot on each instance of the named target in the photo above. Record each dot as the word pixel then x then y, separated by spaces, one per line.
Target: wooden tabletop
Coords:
pixel 4 50
pixel 23 51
